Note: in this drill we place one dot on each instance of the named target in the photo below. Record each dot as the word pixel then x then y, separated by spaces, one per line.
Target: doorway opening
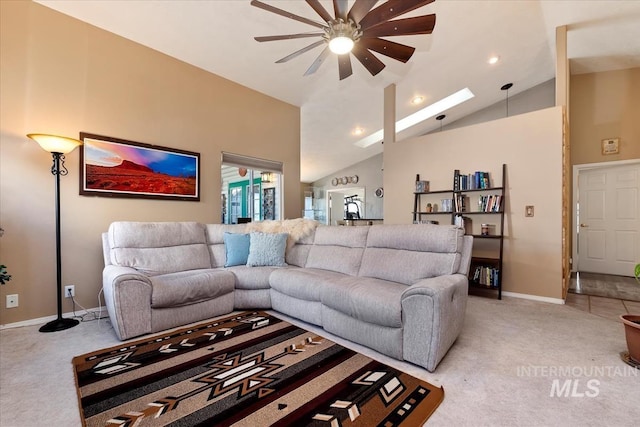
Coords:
pixel 345 204
pixel 606 226
pixel 251 189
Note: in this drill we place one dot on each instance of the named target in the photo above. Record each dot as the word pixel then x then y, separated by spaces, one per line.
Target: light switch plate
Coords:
pixel 528 211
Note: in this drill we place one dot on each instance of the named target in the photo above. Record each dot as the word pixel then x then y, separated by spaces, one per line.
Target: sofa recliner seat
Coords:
pixel 399 289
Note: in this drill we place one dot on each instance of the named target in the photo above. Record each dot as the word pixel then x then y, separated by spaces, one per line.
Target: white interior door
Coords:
pixel 609 219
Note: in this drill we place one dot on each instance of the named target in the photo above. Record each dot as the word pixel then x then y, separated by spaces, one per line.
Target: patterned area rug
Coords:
pixel 249 369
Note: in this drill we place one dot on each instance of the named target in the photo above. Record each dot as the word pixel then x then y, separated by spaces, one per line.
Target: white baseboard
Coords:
pixel 43 320
pixel 534 297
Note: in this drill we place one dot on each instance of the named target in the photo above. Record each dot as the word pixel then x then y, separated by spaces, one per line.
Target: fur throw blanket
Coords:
pixel 297 228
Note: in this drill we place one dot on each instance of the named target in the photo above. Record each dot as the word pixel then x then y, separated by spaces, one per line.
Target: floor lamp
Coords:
pixel 58 146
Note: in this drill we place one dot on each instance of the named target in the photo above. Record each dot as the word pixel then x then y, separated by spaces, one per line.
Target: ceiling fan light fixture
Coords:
pixel 341 44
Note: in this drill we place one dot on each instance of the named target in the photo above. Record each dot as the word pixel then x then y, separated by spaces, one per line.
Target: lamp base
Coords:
pixel 59 324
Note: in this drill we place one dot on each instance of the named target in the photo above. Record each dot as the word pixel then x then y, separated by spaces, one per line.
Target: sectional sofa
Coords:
pixel 398 289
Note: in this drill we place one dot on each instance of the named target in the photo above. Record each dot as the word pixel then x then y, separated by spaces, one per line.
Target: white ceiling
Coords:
pixel 217 35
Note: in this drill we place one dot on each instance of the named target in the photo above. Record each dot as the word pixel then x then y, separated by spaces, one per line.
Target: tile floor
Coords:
pixel 609 308
pixel 605 285
pixel 604 295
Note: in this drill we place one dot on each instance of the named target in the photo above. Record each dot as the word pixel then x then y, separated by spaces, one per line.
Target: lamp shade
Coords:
pixel 55 144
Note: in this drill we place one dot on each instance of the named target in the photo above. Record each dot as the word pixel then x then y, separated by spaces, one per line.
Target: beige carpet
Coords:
pixel 498 373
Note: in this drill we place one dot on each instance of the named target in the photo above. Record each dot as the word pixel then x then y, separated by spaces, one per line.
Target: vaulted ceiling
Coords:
pixel 218 36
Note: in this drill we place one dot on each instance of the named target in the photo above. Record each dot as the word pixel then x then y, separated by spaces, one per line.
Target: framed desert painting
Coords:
pixel 113 167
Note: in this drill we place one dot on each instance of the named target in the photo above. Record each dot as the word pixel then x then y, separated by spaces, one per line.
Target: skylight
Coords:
pixel 420 116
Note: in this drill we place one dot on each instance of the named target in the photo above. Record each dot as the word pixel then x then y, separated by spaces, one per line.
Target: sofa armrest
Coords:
pixel 432 314
pixel 127 294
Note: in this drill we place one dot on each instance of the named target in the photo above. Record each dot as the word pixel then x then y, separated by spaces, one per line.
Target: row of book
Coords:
pixel 486 276
pixel 460 203
pixel 490 203
pixel 473 181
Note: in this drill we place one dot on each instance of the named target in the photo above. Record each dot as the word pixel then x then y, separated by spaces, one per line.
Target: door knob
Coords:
pixel 583 225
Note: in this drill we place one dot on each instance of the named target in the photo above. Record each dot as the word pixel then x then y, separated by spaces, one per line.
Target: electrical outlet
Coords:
pixel 69 291
pixel 12 301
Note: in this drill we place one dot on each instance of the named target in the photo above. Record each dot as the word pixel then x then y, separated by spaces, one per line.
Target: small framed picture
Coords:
pixel 610 146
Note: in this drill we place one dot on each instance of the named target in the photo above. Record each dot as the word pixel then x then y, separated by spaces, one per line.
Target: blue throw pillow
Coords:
pixel 267 249
pixel 237 248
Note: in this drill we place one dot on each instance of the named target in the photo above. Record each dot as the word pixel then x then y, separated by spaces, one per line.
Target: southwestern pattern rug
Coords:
pixel 248 369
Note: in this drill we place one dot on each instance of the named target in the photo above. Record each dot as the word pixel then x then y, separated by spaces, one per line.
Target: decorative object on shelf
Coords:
pixel 379 192
pixel 112 167
pixel 58 146
pixel 345 180
pixel 506 88
pixel 610 146
pixel 422 186
pixel 356 31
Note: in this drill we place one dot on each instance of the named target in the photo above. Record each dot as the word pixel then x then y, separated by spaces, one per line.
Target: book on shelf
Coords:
pixel 490 203
pixel 464 223
pixel 474 181
pixel 486 276
pixel 460 203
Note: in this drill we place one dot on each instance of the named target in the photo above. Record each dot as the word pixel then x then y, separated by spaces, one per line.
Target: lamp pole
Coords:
pixel 60 323
pixel 58 146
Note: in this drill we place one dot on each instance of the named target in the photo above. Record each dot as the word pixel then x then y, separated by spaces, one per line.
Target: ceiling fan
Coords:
pixel 357 31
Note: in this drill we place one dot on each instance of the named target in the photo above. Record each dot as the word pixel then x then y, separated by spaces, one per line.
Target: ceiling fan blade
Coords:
pixel 318 62
pixel 360 8
pixel 368 59
pixel 390 10
pixel 286 14
pixel 403 27
pixel 301 51
pixel 315 5
pixel 344 66
pixel 287 37
pixel 341 8
pixel 397 51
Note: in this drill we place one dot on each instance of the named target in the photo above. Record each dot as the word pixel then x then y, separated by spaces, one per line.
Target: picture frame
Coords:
pixel 114 167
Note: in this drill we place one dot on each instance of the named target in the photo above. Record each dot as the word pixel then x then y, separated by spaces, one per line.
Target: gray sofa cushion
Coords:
pixel 297 254
pixel 369 300
pixel 159 247
pixel 407 254
pixel 190 287
pixel 305 284
pixel 338 249
pixel 251 277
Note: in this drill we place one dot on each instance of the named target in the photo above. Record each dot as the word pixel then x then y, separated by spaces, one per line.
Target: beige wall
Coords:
pixel 605 105
pixel 531 146
pixel 62 76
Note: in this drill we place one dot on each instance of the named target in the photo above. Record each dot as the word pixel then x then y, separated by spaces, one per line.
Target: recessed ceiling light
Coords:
pixel 358 131
pixel 418 99
pixel 493 60
pixel 421 115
